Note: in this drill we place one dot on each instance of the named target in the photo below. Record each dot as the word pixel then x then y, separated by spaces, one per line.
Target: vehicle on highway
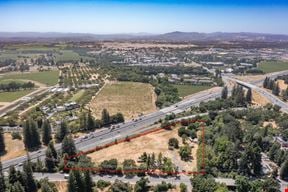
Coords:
pixel 66 176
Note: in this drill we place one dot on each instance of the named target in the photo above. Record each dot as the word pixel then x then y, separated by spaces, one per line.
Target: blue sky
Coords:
pixel 152 16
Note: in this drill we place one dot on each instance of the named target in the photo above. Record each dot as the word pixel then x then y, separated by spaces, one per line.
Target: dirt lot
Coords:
pixel 129 98
pixel 152 143
pixel 249 78
pixel 14 148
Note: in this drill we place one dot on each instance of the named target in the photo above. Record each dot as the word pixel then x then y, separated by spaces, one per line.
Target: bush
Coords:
pixel 16 135
pixel 101 184
pixel 173 142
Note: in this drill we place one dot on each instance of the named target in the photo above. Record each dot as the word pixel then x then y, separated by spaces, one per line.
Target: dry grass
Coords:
pixel 152 143
pixel 61 186
pixel 14 148
pixel 258 99
pixel 129 98
pixel 271 123
pixel 282 84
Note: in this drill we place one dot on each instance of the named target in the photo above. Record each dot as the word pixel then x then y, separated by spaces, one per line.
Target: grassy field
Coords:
pixel 12 96
pixel 46 77
pixel 77 96
pixel 273 66
pixel 129 98
pixel 67 55
pixel 185 90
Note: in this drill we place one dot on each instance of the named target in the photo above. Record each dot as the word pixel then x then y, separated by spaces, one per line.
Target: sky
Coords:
pixel 149 16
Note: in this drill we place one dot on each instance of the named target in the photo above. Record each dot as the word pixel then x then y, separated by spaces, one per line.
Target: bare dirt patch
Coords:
pixel 129 98
pixel 14 148
pixel 258 99
pixel 282 84
pixel 271 123
pixel 152 143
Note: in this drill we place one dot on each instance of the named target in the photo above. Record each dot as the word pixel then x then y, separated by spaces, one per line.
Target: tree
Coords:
pixel 2 180
pixel 224 93
pixel 242 184
pixel 284 171
pixel 17 187
pixel 68 146
pixel 249 96
pixel 173 142
pixel 120 186
pixel 46 132
pixel 2 143
pixel 276 89
pixel 51 158
pixel 30 182
pixel 183 187
pixel 142 185
pixel 88 181
pixel 90 121
pixel 105 117
pixel 185 152
pixel 30 130
pixel 72 182
pixel 61 132
pixel 46 186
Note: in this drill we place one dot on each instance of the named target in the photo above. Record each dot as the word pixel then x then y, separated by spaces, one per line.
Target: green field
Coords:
pixel 185 90
pixel 12 96
pixel 77 96
pixel 46 77
pixel 67 55
pixel 273 66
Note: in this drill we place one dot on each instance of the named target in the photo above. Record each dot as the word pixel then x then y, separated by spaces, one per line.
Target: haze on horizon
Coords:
pixel 134 16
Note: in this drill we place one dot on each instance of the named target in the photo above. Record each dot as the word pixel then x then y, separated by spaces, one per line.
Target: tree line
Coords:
pixel 14 86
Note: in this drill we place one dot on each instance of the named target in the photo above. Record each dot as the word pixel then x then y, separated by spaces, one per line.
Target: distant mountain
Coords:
pixel 173 36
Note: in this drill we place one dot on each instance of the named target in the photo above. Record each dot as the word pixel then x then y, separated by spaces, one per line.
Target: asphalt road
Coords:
pixel 99 138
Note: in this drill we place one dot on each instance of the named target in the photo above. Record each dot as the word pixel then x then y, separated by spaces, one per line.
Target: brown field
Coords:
pixel 152 143
pixel 14 148
pixel 258 99
pixel 131 99
pixel 282 84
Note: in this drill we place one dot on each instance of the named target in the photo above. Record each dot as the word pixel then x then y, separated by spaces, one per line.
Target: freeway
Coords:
pixel 272 98
pixel 99 138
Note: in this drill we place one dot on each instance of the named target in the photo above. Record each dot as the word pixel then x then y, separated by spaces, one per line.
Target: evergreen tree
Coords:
pixel 68 146
pixel 105 117
pixel 284 170
pixel 30 130
pixel 46 132
pixel 72 184
pixel 2 143
pixel 142 185
pixel 51 158
pixel 61 132
pixel 276 89
pixel 30 182
pixel 88 182
pixel 266 82
pixel 83 121
pixel 224 93
pixel 2 180
pixel 45 187
pixel 249 96
pixel 17 187
pixel 90 121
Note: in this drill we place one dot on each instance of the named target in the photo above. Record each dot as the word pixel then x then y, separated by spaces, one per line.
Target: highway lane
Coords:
pixel 124 129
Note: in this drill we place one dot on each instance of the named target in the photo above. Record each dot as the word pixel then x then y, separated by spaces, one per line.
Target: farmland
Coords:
pixel 185 90
pixel 273 66
pixel 129 98
pixel 12 96
pixel 48 78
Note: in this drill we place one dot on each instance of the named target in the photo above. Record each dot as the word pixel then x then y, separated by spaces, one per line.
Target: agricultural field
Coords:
pixel 76 75
pixel 129 98
pixel 185 90
pixel 273 66
pixel 47 78
pixel 67 55
pixel 13 95
pixel 151 143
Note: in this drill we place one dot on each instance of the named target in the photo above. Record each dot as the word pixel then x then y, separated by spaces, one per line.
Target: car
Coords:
pixel 66 176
